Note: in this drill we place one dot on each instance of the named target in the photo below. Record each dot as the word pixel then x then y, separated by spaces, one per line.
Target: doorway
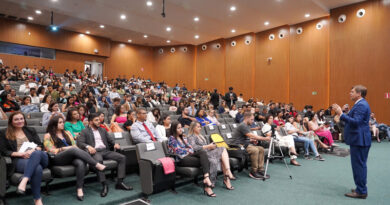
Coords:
pixel 95 68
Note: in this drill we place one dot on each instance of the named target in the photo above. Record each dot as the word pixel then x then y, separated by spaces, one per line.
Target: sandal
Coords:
pixel 225 178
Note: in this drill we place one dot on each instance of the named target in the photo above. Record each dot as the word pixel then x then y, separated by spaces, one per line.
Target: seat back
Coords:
pixel 223 128
pixel 211 129
pixel 33 122
pixel 151 151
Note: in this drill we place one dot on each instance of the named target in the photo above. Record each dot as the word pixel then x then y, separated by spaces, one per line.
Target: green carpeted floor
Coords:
pixel 313 183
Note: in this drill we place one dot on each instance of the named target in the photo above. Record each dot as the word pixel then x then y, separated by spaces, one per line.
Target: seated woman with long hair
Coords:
pixel 154 115
pixel 215 154
pixel 164 126
pixel 73 123
pixel 45 103
pixel 54 109
pixel 131 118
pixel 7 103
pixel 61 144
pixel 285 141
pixel 303 124
pixel 320 130
pixel 27 107
pixel 69 104
pixel 187 157
pixel 202 118
pixel 103 125
pixel 83 114
pixel 29 162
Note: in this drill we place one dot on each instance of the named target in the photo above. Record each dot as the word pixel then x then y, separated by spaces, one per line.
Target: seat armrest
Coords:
pixel 8 160
pixel 128 148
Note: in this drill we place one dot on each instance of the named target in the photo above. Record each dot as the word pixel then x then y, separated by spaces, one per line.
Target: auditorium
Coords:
pixel 138 102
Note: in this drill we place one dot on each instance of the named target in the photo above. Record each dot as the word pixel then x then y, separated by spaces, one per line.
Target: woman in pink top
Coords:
pixel 120 115
pixel 320 130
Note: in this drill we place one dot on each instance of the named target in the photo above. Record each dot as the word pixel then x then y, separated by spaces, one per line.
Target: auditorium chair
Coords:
pixel 127 148
pixel 152 175
pixel 211 129
pixel 224 129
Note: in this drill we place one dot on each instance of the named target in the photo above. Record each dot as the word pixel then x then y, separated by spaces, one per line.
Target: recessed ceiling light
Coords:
pixel 87 32
pixel 123 17
pixel 145 36
pixel 168 28
pixel 266 23
pixel 101 26
pixel 196 36
pixel 233 8
pixel 54 0
pixel 149 3
pixel 196 19
pixel 81 34
pixel 233 30
pixel 30 18
pixel 307 15
pixel 168 41
pixel 38 12
pixel 129 40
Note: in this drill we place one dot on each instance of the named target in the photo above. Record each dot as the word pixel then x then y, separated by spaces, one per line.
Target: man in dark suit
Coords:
pixel 214 99
pixel 358 136
pixel 230 97
pixel 97 142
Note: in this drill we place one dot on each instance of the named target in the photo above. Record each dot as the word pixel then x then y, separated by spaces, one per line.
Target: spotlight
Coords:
pixel 53 27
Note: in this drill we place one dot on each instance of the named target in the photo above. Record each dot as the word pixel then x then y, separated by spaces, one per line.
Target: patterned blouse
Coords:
pixel 178 148
pixel 48 143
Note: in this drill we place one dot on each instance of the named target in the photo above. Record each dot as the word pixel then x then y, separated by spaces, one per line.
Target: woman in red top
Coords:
pixel 102 124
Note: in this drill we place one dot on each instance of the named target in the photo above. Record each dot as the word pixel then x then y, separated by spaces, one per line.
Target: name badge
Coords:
pixel 229 135
pixel 223 126
pixel 118 135
pixel 211 127
pixel 150 146
pixel 235 125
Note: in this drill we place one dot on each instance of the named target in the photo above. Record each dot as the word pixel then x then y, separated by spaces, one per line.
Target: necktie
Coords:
pixel 149 132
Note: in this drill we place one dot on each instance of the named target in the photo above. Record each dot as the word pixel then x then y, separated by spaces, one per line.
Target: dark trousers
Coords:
pixel 359 157
pixel 3 177
pixel 198 159
pixel 78 158
pixel 106 154
pixel 32 169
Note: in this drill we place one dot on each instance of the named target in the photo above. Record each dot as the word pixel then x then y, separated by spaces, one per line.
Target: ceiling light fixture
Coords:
pixel 233 8
pixel 168 28
pixel 129 40
pixel 81 34
pixel 145 36
pixel 101 26
pixel 149 3
pixel 168 41
pixel 266 23
pixel 30 18
pixel 38 12
pixel 307 15
pixel 196 18
pixel 52 26
pixel 123 17
pixel 233 30
pixel 87 32
pixel 196 36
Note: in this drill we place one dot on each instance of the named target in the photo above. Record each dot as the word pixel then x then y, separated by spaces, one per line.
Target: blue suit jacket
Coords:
pixel 357 129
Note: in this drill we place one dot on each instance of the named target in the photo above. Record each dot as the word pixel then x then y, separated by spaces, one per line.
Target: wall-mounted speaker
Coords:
pixel 271 37
pixel 281 35
pixel 218 46
pixel 248 41
pixel 319 26
pixel 342 18
pixel 299 30
pixel 204 47
pixel 173 50
pixel 233 43
pixel 360 13
pixel 184 49
pixel 161 50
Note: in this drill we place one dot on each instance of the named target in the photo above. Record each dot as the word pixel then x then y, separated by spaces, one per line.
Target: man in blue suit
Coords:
pixel 358 136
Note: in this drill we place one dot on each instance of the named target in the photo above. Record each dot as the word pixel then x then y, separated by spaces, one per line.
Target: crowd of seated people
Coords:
pixel 72 111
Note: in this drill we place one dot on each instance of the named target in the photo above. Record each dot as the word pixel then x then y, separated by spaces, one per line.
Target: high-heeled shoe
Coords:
pixel 20 192
pixel 231 178
pixel 225 178
pixel 206 193
pixel 206 184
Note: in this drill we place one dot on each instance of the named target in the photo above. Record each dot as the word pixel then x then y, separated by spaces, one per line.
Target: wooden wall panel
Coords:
pixel 239 65
pixel 359 54
pixel 64 60
pixel 309 64
pixel 129 60
pixel 271 77
pixel 211 66
pixel 36 35
pixel 177 67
